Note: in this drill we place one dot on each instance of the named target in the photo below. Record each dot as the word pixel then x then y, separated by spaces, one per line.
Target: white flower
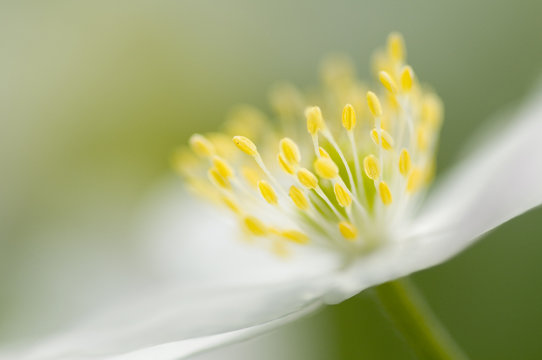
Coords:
pixel 318 225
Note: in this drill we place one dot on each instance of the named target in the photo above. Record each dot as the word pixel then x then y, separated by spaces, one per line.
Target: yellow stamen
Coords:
pixel 286 100
pixel 268 193
pixel 184 161
pixel 396 47
pixel 356 191
pixel 387 140
pixel 280 248
pixel 231 204
pixel 415 180
pixel 429 173
pixel 285 164
pixel 422 138
pixel 307 178
pixel 246 145
pixel 295 236
pixel 299 198
pixel 290 150
pixel 343 196
pixel 372 169
pixel 432 110
pixel 217 179
pixel 374 104
pixel 255 226
pixel 222 144
pixel 202 188
pixel 404 162
pixel 201 146
pixel 315 120
pixel 251 175
pixel 349 117
pixel 407 78
pixel 323 153
pixel 349 231
pixel 326 168
pixel 245 120
pixel 385 193
pixel 222 167
pixel 387 81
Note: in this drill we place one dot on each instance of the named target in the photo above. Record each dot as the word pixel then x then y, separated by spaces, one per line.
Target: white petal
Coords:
pixel 188 319
pixel 499 181
pixel 215 284
pixel 181 349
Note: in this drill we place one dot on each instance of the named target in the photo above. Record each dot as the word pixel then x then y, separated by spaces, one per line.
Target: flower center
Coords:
pixel 361 170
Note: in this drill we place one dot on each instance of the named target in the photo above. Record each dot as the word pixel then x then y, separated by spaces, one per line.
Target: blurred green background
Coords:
pixel 95 95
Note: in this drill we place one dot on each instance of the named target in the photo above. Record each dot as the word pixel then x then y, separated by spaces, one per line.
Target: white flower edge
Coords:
pixel 501 179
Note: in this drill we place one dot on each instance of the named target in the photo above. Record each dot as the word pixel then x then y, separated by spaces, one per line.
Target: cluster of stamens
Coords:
pixel 345 186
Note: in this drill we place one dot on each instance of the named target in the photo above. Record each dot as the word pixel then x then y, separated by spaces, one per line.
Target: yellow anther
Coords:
pixel 396 47
pixel 385 193
pixel 387 81
pixel 356 97
pixel 285 164
pixel 429 173
pixel 392 102
pixel 349 117
pixel 251 175
pixel 407 78
pixel 231 204
pixel 201 146
pixel 217 179
pixel 326 168
pixel 422 138
pixel 404 162
pixel 315 120
pixel 343 196
pixel 202 188
pixel 415 180
pixel 222 167
pixel 387 140
pixel 337 71
pixel 323 153
pixel 286 100
pixel 372 169
pixel 255 226
pixel 245 120
pixel 279 247
pixel 295 236
pixel 299 198
pixel 222 143
pixel 348 230
pixel 307 178
pixel 374 104
pixel 268 193
pixel 184 161
pixel 246 145
pixel 432 110
pixel 290 151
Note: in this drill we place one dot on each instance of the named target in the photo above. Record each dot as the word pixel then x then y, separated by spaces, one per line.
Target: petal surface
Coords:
pixel 211 288
pixel 499 180
pixel 173 324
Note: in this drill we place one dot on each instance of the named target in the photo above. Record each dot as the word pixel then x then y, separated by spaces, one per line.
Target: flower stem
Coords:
pixel 418 325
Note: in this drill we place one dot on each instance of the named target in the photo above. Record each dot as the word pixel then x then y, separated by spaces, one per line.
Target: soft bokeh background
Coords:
pixel 95 95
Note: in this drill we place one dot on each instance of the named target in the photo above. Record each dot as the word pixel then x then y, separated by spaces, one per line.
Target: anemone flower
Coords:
pixel 310 208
